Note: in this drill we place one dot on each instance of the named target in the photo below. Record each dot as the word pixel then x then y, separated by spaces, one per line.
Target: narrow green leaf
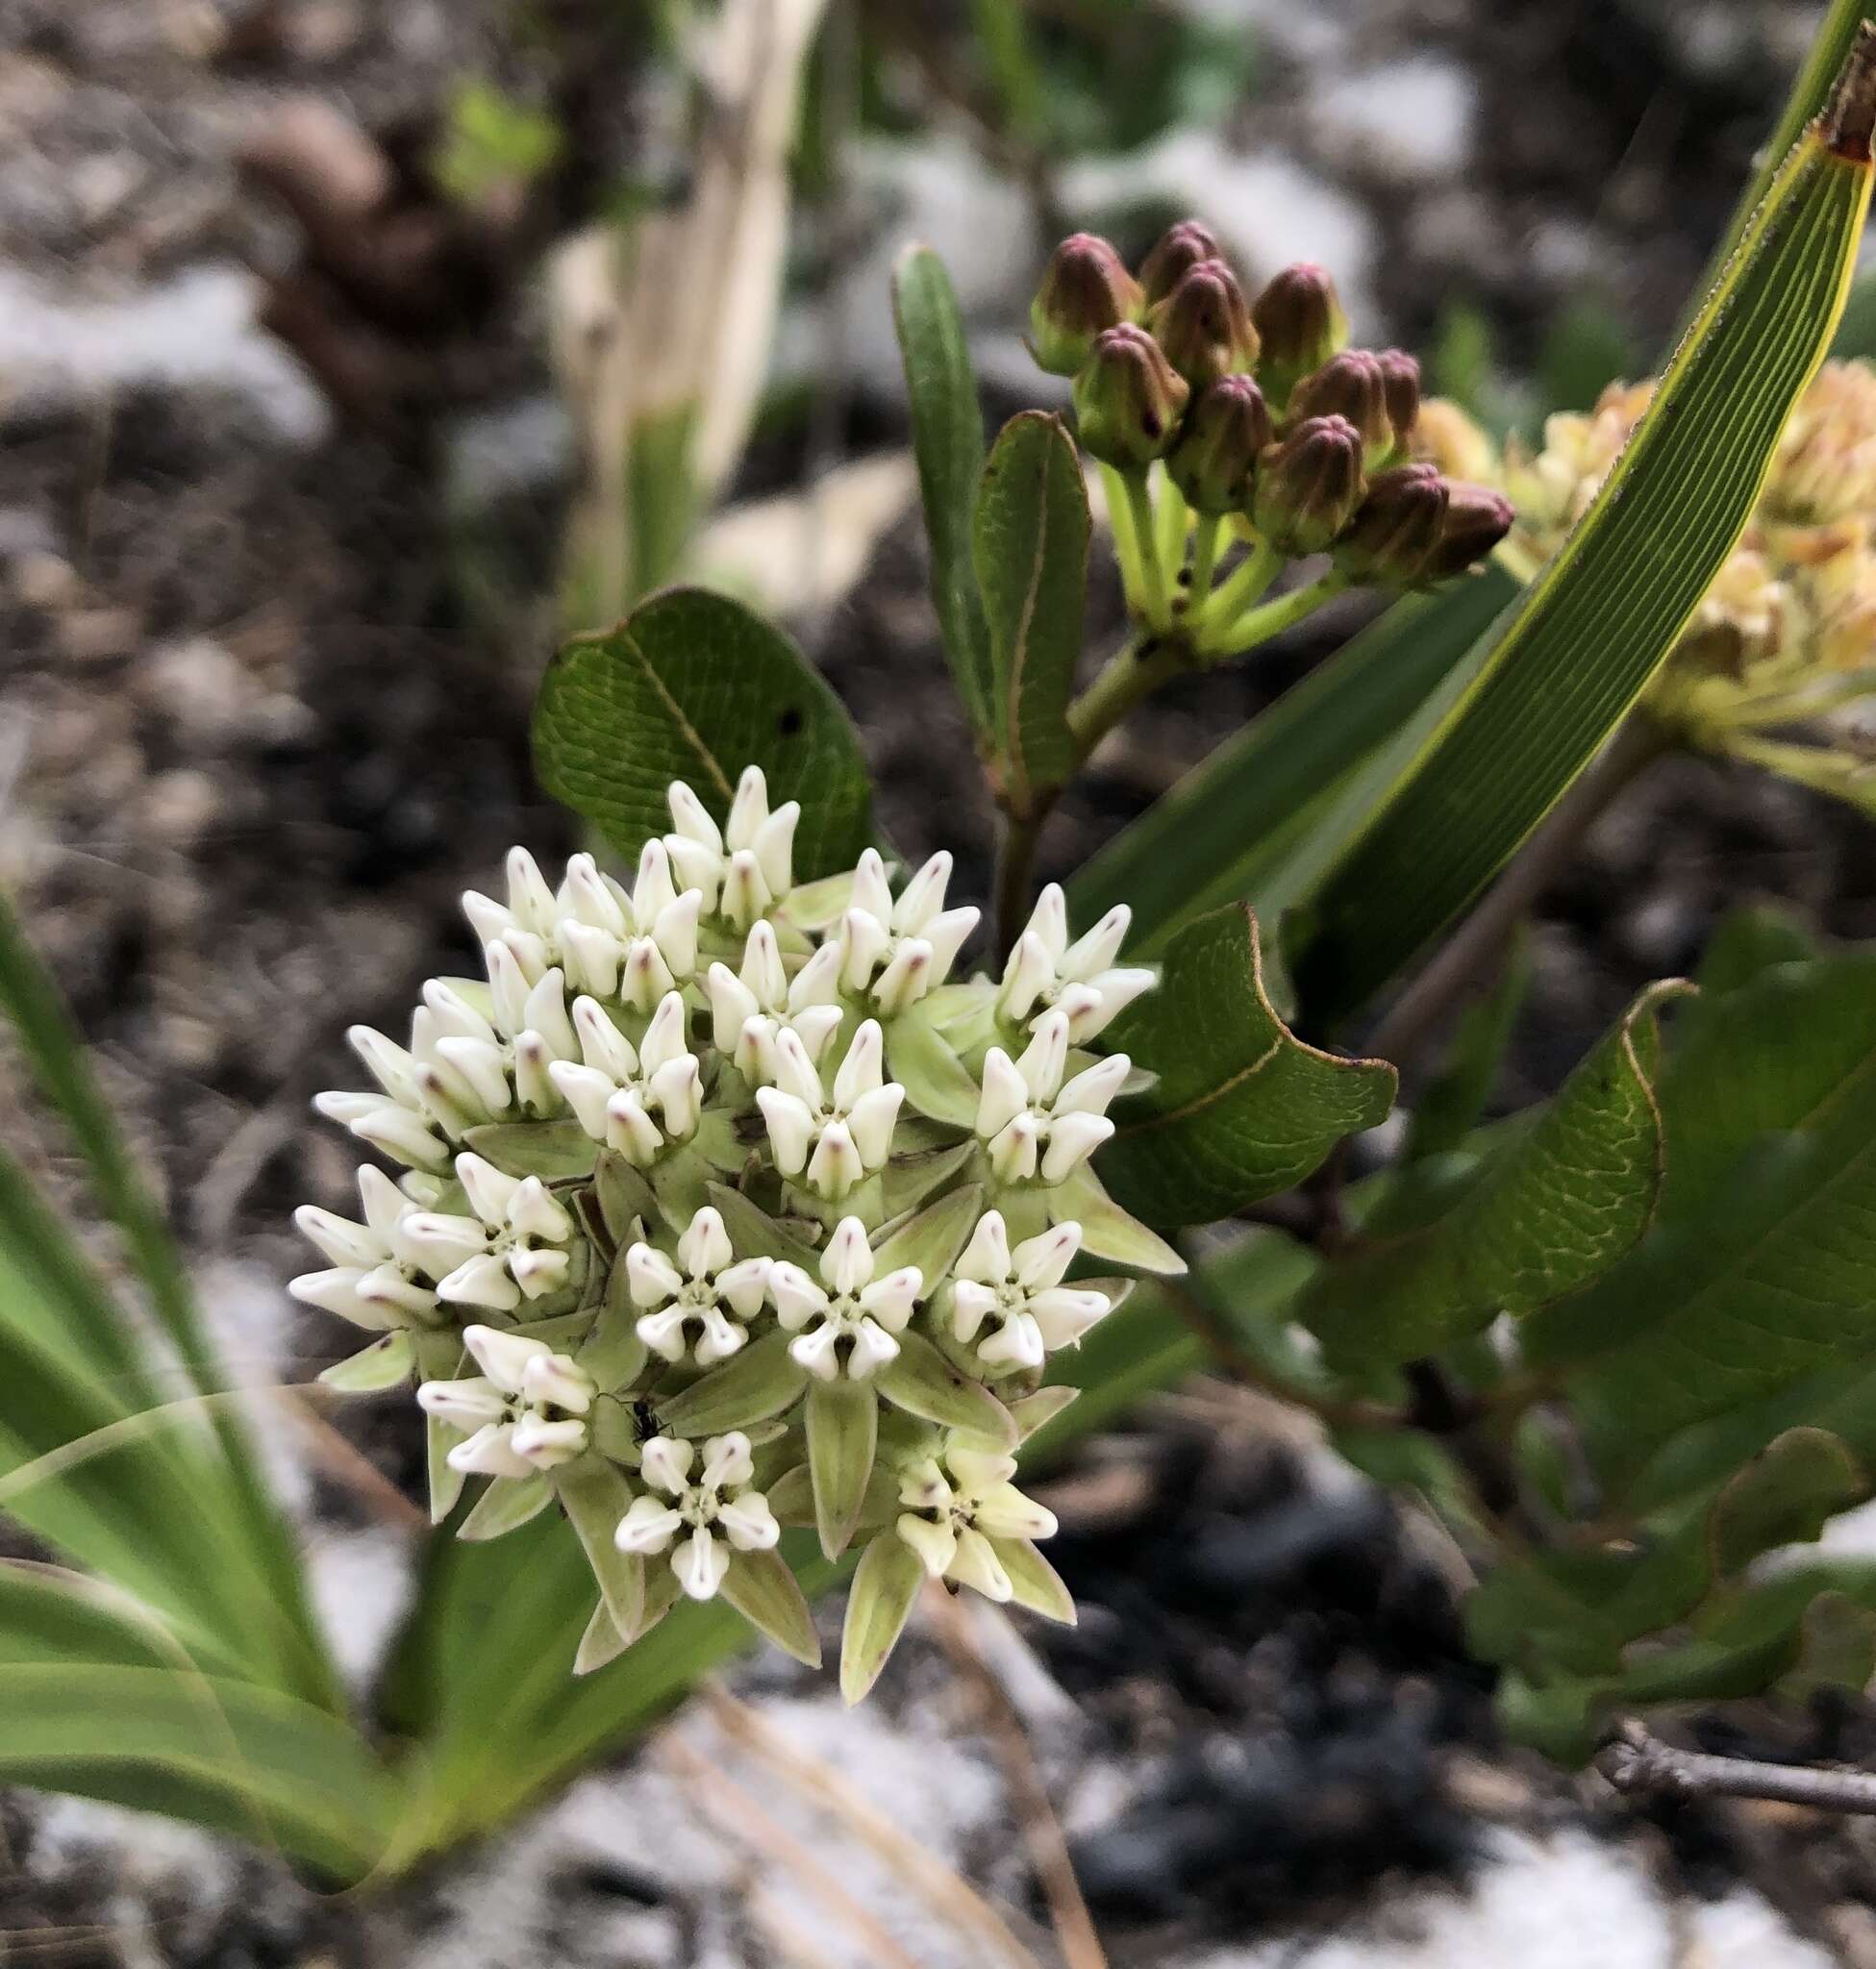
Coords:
pixel 1028 542
pixel 919 1379
pixel 1218 834
pixel 885 1590
pixel 694 686
pixel 1243 1108
pixel 1548 1215
pixel 1571 658
pixel 947 435
pixel 769 1596
pixel 842 1422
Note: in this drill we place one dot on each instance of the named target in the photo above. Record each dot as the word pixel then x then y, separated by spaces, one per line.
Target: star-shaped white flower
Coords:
pixel 721 1500
pixel 1045 970
pixel 1021 1293
pixel 749 1006
pixel 611 944
pixel 525 1411
pixel 513 1248
pixel 1030 1121
pixel 378 1279
pixel 744 867
pixel 849 1322
pixel 894 953
pixel 708 1290
pixel 467 1063
pixel 614 1088
pixel 955 1505
pixel 830 1143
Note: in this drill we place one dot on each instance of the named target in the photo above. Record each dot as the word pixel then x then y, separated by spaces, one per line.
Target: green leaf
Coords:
pixel 842 1421
pixel 885 1590
pixel 1034 1582
pixel 1836 1650
pixel 933 1239
pixel 947 435
pixel 1243 1108
pixel 1569 659
pixel 754 1234
pixel 750 1386
pixel 936 1081
pixel 1547 1216
pixel 506 1505
pixel 1784 1496
pixel 1455 1103
pixel 1218 836
pixel 694 686
pixel 595 1496
pixel 1029 541
pixel 555 1151
pixel 919 1379
pixel 761 1588
pixel 1107 1231
pixel 386 1363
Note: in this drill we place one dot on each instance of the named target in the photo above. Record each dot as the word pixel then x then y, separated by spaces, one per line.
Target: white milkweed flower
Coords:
pixel 1045 970
pixel 749 1006
pixel 378 1278
pixel 514 1247
pixel 850 1134
pixel 707 1289
pixel 894 952
pixel 1021 1293
pixel 957 1506
pixel 747 866
pixel 722 1500
pixel 613 1087
pixel 526 1412
pixel 1031 1122
pixel 848 1324
pixel 635 947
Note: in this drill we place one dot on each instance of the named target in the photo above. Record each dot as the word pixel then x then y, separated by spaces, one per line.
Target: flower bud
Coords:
pixel 1444 435
pixel 1477 518
pixel 1300 324
pixel 1347 386
pixel 1128 398
pixel 1400 390
pixel 1396 528
pixel 1181 248
pixel 1309 484
pixel 1085 290
pixel 1216 458
pixel 1204 326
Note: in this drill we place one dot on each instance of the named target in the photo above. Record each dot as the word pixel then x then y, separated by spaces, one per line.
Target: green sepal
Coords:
pixel 594 1495
pixel 506 1505
pixel 919 1379
pixel 760 1382
pixel 761 1588
pixel 1031 1411
pixel 386 1363
pixel 601 1643
pixel 755 1234
pixel 885 1586
pixel 938 1083
pixel 555 1151
pixel 815 905
pixel 843 1426
pixel 933 1239
pixel 1033 1583
pixel 1107 1231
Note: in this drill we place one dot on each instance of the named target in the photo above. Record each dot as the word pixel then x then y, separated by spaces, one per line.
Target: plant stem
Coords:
pixel 1153 573
pixel 1208 531
pixel 1015 860
pixel 1639 1765
pixel 1475 946
pixel 1137 669
pixel 1242 587
pixel 1173 518
pixel 1261 624
pixel 1127 544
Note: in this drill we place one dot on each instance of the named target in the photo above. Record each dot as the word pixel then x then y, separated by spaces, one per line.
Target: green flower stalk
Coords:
pixel 698 1238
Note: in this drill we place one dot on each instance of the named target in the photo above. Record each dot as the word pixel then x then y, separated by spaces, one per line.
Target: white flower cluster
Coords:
pixel 725 1208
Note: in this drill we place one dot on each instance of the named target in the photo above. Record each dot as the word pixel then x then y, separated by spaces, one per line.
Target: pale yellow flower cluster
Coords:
pixel 1778 664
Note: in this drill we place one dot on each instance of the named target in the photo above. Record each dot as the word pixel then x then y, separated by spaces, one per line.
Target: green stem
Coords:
pixel 1137 670
pixel 1152 570
pixel 1208 532
pixel 1174 518
pixel 1126 540
pixel 1239 589
pixel 1015 863
pixel 1261 624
